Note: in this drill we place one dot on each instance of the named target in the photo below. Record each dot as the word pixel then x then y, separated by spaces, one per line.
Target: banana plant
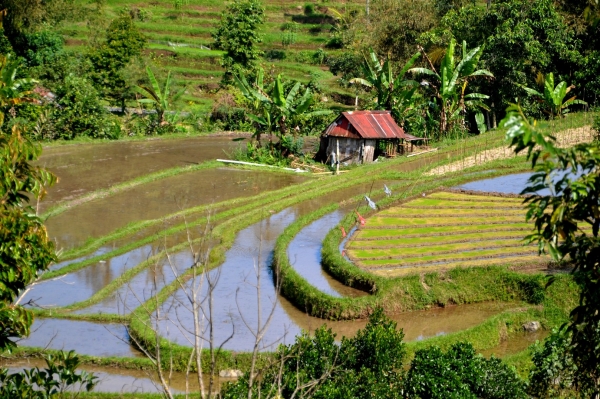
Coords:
pixel 12 91
pixel 553 97
pixel 452 81
pixel 160 99
pixel 393 93
pixel 275 111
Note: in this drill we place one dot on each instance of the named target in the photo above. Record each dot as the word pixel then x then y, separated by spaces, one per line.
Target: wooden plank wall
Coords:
pixel 349 148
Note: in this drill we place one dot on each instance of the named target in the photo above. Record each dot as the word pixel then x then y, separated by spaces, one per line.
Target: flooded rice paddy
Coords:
pixel 245 296
pixel 85 168
pixel 84 337
pixel 160 198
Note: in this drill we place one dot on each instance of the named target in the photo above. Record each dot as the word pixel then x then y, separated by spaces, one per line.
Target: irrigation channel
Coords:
pixel 245 294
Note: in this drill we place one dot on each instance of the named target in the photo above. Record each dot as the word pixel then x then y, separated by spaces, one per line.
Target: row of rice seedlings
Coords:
pixel 382 222
pixel 504 252
pixel 416 231
pixel 521 262
pixel 432 249
pixel 449 237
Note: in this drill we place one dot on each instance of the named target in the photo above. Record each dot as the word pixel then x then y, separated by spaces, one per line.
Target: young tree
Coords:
pixel 237 34
pixel 393 93
pixel 451 83
pixel 567 226
pixel 160 99
pixel 123 42
pixel 553 98
pixel 25 249
pixel 276 111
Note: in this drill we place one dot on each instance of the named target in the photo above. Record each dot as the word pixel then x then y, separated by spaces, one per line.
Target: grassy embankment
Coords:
pixel 407 295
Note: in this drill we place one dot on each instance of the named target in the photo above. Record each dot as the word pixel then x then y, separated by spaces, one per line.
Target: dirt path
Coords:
pixel 565 138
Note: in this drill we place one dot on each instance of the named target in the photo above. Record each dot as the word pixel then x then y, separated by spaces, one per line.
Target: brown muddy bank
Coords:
pixel 88 167
pixel 160 198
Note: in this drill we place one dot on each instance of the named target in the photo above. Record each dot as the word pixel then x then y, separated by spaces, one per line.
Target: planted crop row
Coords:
pixel 457 235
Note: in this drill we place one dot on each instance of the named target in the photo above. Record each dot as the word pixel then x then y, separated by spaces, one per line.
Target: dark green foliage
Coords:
pixel 237 35
pixel 394 27
pixel 274 54
pixel 77 111
pixel 368 365
pixel 25 249
pixel 520 39
pixel 43 47
pixel 5 46
pixel 533 289
pixel 460 373
pixel 309 9
pixel 553 372
pixel 596 127
pixel 123 42
pixel 53 381
pixel 567 227
pixel 25 17
pixel 442 7
pixel 346 65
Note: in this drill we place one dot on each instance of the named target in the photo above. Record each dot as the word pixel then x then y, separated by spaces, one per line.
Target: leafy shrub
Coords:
pixel 366 366
pixel 461 373
pixel 553 369
pixel 51 382
pixel 347 65
pixel 5 46
pixel 533 290
pixel 274 54
pixel 596 127
pixel 309 9
pixel 77 111
pixel 42 47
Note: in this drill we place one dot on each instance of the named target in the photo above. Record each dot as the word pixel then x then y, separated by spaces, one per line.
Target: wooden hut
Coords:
pixel 362 136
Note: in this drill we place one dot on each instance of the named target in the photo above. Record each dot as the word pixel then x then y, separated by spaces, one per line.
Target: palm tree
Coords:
pixel 276 111
pixel 393 93
pixel 12 91
pixel 160 99
pixel 452 81
pixel 554 96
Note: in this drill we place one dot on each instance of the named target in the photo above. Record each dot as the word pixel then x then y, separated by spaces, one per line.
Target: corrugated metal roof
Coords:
pixel 378 125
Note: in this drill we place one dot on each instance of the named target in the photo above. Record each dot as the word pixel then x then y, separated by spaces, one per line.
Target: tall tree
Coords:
pixel 123 42
pixel 520 39
pixel 238 35
pixel 27 16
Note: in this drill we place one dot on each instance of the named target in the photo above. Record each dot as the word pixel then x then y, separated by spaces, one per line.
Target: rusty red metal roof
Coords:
pixel 378 125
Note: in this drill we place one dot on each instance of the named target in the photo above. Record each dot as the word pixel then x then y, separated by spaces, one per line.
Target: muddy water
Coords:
pixel 238 311
pixel 112 379
pixel 304 253
pixel 81 285
pixel 154 200
pixel 516 344
pixel 85 168
pixel 143 286
pixel 84 337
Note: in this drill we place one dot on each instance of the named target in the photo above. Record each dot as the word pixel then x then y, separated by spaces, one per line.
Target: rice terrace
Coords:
pixel 277 199
pixel 443 230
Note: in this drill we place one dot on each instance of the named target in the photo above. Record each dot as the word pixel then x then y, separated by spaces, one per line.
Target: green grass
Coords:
pixel 457 236
pixel 193 25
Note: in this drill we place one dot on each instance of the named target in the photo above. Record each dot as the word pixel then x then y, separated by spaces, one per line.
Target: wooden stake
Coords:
pixel 337 142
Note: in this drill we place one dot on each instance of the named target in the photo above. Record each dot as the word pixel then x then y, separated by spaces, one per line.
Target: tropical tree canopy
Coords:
pixel 451 82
